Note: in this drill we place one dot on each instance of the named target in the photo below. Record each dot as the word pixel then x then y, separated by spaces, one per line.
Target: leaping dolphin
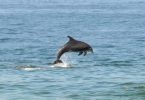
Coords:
pixel 73 45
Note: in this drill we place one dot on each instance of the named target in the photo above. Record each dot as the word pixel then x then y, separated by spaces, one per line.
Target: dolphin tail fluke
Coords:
pixel 57 61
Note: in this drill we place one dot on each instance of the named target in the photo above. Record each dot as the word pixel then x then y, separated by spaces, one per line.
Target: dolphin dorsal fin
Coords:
pixel 70 38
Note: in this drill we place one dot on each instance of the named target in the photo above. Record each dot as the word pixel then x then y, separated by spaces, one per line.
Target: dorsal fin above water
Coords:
pixel 71 38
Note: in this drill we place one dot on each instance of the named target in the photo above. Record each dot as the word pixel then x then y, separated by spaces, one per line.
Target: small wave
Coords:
pixel 29 68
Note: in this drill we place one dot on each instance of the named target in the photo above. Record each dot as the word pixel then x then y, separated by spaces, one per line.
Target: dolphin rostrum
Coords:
pixel 73 45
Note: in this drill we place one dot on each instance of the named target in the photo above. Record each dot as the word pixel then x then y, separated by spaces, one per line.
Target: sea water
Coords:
pixel 32 31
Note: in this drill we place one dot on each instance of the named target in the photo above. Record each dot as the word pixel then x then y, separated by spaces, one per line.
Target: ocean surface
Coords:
pixel 32 31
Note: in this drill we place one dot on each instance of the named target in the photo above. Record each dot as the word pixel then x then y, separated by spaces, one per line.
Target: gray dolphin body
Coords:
pixel 73 45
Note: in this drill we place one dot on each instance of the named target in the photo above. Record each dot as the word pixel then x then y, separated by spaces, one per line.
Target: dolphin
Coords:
pixel 73 45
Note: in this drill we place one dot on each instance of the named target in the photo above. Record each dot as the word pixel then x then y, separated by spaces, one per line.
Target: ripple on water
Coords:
pixel 136 89
pixel 32 32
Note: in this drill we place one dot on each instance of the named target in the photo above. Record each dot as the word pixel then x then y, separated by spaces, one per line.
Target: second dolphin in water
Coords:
pixel 73 45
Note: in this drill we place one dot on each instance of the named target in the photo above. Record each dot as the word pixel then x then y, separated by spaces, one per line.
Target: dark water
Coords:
pixel 32 31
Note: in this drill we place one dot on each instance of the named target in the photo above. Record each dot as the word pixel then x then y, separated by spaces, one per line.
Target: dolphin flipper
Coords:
pixel 80 53
pixel 85 52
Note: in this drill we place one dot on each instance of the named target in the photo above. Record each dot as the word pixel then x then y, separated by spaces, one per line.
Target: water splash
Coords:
pixel 65 65
pixel 66 62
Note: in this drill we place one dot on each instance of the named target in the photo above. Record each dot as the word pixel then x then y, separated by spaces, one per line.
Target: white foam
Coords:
pixel 65 65
pixel 30 69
